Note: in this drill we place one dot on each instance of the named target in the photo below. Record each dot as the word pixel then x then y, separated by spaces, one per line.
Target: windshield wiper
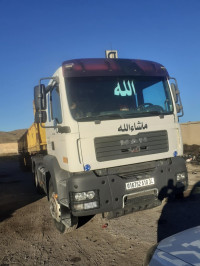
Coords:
pixel 115 116
pixel 100 117
pixel 135 114
pixel 157 113
pixel 154 113
pixel 139 114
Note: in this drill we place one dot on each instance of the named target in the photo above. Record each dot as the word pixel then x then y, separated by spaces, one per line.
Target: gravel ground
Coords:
pixel 28 235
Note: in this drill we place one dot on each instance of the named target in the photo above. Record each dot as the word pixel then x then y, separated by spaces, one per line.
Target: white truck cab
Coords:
pixel 113 139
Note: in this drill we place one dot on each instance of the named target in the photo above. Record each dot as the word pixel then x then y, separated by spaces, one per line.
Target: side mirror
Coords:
pixel 174 92
pixel 40 117
pixel 177 98
pixel 179 108
pixel 40 97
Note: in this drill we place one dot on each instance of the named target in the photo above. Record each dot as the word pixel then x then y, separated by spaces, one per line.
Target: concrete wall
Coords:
pixel 8 148
pixel 191 133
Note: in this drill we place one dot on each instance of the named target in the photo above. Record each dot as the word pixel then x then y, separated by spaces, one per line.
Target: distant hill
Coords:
pixel 11 136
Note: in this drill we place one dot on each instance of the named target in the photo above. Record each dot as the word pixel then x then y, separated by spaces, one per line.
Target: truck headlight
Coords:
pixel 181 176
pixel 80 196
pixel 85 200
pixel 84 195
pixel 90 194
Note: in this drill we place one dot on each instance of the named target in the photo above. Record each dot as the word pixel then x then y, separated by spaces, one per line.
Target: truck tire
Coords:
pixel 56 213
pixel 36 183
pixel 22 164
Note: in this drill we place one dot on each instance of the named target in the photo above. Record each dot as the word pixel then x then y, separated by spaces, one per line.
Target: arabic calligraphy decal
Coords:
pixel 128 89
pixel 131 128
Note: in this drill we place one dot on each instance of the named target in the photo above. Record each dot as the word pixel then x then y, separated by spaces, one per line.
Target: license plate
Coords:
pixel 140 183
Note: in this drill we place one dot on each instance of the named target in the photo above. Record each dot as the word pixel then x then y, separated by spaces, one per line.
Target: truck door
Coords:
pixel 54 140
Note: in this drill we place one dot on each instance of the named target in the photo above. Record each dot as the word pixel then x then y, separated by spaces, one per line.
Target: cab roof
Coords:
pixel 112 67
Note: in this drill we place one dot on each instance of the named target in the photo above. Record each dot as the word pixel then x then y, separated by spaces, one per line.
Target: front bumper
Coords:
pixel 113 196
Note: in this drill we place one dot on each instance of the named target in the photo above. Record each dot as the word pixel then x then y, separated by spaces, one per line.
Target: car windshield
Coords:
pixel 106 98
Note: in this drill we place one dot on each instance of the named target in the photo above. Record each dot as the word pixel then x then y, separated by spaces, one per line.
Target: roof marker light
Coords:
pixel 69 65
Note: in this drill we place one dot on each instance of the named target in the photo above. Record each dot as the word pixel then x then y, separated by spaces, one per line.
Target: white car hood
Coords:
pixel 184 246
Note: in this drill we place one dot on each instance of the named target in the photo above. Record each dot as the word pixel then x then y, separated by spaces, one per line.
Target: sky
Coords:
pixel 36 36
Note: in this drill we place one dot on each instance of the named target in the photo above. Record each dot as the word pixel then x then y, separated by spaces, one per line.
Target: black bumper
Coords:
pixel 113 197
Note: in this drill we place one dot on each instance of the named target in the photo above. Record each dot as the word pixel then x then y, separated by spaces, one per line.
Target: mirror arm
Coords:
pixel 47 126
pixel 178 94
pixel 48 88
pixel 56 79
pixel 60 128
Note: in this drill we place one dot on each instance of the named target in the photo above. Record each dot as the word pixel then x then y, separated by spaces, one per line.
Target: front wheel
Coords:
pixel 56 210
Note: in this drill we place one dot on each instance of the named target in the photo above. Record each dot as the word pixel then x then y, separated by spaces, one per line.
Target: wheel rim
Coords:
pixel 55 207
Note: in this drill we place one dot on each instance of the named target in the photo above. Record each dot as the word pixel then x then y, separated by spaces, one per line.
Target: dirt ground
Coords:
pixel 28 236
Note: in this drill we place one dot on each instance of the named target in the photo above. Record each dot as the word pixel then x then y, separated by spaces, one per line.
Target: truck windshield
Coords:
pixel 106 98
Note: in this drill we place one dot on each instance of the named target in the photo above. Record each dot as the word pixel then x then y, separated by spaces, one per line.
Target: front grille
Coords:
pixel 126 146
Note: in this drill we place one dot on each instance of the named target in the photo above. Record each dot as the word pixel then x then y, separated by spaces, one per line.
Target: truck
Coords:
pixel 113 141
